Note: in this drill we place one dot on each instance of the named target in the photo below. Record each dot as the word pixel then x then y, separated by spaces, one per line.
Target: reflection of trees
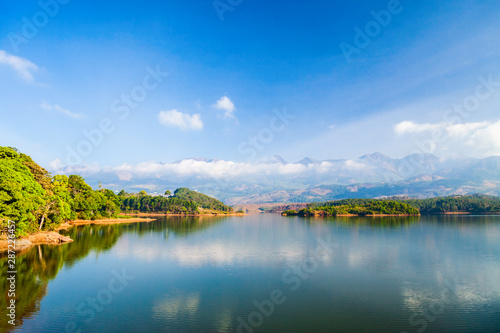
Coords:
pixel 390 222
pixel 41 263
pixel 179 225
pixel 183 226
pixel 31 287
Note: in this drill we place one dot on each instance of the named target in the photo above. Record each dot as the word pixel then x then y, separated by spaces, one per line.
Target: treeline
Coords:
pixel 474 203
pixel 35 200
pixel 184 201
pixel 359 207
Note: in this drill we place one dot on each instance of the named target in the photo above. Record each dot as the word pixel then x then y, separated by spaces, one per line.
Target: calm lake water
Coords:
pixel 266 273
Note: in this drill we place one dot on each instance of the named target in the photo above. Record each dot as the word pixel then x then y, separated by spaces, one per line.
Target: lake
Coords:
pixel 265 273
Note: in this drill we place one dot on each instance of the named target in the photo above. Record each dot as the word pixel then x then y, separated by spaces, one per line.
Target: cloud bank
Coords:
pixel 454 139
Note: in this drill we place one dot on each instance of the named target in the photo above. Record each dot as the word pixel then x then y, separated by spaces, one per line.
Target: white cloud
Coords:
pixel 226 105
pixel 23 67
pixel 405 127
pixel 56 164
pixel 59 109
pixel 354 165
pixel 181 120
pixel 217 169
pixel 479 139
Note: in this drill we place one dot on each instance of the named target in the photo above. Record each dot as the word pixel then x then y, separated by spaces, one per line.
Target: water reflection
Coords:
pixel 173 307
pixel 38 265
pixel 202 274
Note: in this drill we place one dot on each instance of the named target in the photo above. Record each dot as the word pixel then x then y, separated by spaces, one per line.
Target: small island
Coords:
pixel 356 207
pixel 402 206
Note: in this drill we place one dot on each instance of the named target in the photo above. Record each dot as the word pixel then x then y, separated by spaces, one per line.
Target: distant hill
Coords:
pixel 274 180
pixel 184 201
pixel 200 199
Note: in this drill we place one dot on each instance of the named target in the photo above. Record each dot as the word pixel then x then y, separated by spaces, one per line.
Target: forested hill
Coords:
pixel 200 199
pixel 183 201
pixel 474 203
pixel 36 200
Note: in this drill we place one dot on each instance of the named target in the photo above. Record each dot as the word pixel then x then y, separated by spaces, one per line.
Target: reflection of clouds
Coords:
pixel 417 299
pixel 375 257
pixel 218 252
pixel 356 258
pixel 471 295
pixel 224 321
pixel 468 294
pixel 173 307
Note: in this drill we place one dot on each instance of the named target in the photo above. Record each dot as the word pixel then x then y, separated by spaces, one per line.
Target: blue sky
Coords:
pixel 227 79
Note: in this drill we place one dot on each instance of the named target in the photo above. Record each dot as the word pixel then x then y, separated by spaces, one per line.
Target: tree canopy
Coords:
pixel 35 200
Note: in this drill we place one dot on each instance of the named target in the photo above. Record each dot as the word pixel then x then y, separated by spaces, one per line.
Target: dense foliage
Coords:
pixel 183 201
pixel 35 200
pixel 475 203
pixel 370 207
pixel 360 207
pixel 201 199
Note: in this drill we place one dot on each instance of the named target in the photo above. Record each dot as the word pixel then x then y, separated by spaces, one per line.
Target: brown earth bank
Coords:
pixel 206 213
pixel 42 237
pixel 269 207
pixel 54 237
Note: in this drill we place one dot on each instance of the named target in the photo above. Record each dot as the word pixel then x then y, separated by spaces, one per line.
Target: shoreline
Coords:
pixel 182 215
pixel 106 221
pixel 55 238
pixel 355 215
pixel 462 213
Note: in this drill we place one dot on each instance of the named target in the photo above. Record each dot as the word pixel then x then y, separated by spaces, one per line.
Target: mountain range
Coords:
pixel 275 180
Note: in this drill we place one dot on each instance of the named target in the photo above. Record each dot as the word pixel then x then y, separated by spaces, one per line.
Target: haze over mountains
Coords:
pixel 276 180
